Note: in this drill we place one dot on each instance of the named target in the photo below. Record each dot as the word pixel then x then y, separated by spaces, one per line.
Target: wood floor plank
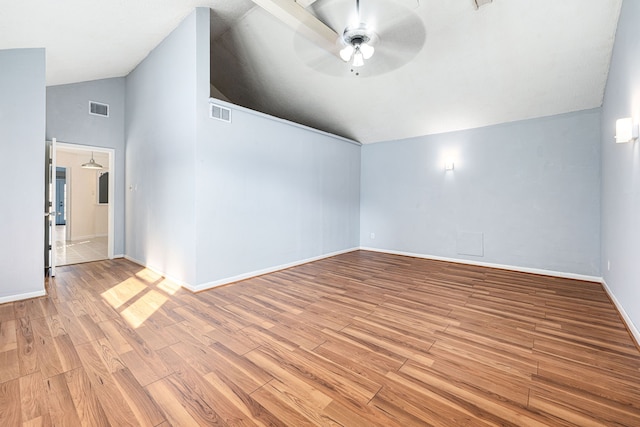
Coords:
pixel 8 338
pixel 238 398
pixel 141 348
pixel 33 397
pixel 406 411
pixel 105 386
pixel 172 406
pixel 202 401
pixel 359 339
pixel 9 365
pixel 146 410
pixel 60 402
pixel 305 405
pixel 554 397
pixel 459 398
pixel 46 349
pixel 7 312
pixel 380 361
pixel 342 415
pixel 117 341
pixel 88 407
pixel 27 355
pixel 139 367
pixel 286 415
pixel 156 337
pixel 245 374
pixel 66 353
pixel 284 379
pixel 10 409
pixel 617 386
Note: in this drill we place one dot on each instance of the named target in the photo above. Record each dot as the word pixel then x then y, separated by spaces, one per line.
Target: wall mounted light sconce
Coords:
pixel 626 130
pixel 448 165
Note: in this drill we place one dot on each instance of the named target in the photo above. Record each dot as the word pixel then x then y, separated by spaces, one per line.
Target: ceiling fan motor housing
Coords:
pixel 358 35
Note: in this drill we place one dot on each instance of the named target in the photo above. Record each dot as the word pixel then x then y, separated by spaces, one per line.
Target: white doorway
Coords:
pixel 84 212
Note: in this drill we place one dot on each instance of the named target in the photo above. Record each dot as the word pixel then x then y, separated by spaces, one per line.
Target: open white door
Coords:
pixel 50 208
pixel 54 212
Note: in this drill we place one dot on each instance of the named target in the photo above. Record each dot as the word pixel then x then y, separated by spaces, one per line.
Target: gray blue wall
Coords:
pixel 271 193
pixel 211 201
pixel 22 146
pixel 69 121
pixel 160 153
pixel 529 189
pixel 621 169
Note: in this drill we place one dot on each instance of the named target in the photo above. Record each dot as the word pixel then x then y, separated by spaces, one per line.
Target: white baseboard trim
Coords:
pixel 158 271
pixel 120 256
pixel 244 276
pixel 19 297
pixel 134 260
pixel 627 320
pixel 492 265
pixel 87 237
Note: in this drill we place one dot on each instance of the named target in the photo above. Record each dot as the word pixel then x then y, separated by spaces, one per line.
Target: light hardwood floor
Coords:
pixel 361 339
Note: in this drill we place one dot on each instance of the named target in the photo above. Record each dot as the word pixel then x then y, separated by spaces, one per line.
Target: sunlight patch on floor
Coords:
pixel 168 286
pixel 135 298
pixel 138 312
pixel 148 276
pixel 123 292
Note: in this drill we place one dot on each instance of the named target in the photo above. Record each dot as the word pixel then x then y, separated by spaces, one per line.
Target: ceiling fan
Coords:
pixel 338 39
pixel 358 42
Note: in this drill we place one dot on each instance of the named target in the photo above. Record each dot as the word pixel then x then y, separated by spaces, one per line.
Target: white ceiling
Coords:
pixel 95 39
pixel 456 68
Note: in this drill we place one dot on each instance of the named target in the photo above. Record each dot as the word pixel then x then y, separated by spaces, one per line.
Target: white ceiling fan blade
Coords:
pixel 296 17
pixel 305 3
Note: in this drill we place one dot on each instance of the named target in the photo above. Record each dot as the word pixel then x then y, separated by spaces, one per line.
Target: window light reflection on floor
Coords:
pixel 121 293
pixel 136 304
pixel 138 312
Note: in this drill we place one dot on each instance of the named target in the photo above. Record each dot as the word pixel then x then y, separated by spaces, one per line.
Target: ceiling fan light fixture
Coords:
pixel 346 53
pixel 358 58
pixel 367 50
pixel 358 45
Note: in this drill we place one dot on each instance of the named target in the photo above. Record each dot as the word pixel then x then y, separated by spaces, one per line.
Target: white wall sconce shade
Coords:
pixel 448 165
pixel 626 130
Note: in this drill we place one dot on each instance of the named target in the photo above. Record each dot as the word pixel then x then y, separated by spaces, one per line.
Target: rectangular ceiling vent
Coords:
pixel 98 109
pixel 220 113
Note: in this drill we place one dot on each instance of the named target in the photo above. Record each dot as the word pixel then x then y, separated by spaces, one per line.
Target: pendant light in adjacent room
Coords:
pixel 91 164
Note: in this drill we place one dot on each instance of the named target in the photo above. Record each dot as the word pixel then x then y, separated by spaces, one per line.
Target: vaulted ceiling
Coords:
pixel 439 65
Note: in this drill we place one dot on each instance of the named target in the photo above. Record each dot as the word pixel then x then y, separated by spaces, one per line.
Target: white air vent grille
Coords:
pixel 98 109
pixel 219 112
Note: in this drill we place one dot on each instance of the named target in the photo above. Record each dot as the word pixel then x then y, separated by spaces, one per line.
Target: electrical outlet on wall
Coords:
pixel 372 236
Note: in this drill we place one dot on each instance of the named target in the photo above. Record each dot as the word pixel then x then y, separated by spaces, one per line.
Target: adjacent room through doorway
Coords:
pixel 82 205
